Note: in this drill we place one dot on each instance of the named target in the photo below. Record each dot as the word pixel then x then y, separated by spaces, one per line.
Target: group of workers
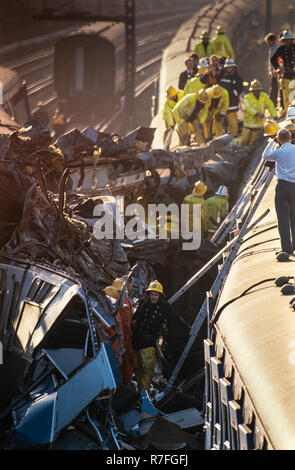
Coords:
pixel 134 344
pixel 208 100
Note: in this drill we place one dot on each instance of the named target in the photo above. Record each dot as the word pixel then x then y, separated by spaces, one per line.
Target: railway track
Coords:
pixel 37 69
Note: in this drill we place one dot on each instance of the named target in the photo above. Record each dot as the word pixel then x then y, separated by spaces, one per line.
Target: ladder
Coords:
pixel 261 181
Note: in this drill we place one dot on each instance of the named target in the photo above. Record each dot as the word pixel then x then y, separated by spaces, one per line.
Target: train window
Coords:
pixel 245 437
pixel 235 419
pixel 13 303
pixel 225 396
pixel 41 292
pixel 68 343
pixel 30 316
pixel 2 288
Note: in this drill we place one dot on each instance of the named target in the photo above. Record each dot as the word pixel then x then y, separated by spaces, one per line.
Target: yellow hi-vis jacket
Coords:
pixel 193 85
pixel 255 105
pixel 221 46
pixel 217 211
pixel 223 101
pixel 168 108
pixel 192 199
pixel 200 50
pixel 184 108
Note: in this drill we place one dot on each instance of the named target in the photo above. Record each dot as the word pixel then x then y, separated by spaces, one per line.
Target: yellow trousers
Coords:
pixel 232 120
pixel 250 137
pixel 191 128
pixel 144 366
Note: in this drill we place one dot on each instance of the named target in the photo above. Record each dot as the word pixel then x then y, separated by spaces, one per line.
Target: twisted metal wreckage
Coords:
pixel 60 385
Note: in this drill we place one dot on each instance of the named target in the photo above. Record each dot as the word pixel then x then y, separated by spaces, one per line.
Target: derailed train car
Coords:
pixel 51 350
pixel 89 69
pixel 249 352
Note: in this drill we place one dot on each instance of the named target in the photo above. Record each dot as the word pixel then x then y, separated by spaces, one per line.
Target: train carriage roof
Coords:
pixel 258 329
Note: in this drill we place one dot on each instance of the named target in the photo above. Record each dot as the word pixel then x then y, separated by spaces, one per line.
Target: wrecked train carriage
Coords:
pixel 54 363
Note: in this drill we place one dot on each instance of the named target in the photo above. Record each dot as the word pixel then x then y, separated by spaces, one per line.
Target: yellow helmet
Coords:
pixel 220 29
pixel 170 92
pixel 216 91
pixel 204 35
pixel 271 128
pixel 155 286
pixel 200 188
pixel 255 85
pixel 111 291
pixel 118 283
pixel 203 96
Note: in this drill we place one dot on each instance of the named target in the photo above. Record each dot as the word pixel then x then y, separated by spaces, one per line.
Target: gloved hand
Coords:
pixel 260 115
pixel 269 164
pixel 218 117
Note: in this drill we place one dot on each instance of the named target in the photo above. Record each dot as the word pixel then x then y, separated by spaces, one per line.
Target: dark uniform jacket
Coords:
pixel 287 53
pixel 234 85
pixel 148 320
pixel 183 78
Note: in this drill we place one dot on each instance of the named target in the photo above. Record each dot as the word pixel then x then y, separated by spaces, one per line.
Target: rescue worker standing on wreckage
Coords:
pixel 218 107
pixel 190 114
pixel 256 102
pixel 233 83
pixel 172 97
pixel 146 326
pixel 286 53
pixel 197 197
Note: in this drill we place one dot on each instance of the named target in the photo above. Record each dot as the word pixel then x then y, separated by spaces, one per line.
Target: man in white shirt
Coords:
pixel 284 157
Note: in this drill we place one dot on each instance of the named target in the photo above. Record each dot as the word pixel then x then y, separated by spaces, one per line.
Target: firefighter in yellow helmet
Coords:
pixel 59 122
pixel 256 102
pixel 202 47
pixel 172 97
pixel 271 128
pixel 220 45
pixel 219 103
pixel 147 322
pixel 197 197
pixel 190 114
pixel 194 85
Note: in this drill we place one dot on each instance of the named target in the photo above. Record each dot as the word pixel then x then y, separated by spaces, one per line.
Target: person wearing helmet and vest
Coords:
pixel 256 102
pixel 194 85
pixel 147 322
pixel 201 48
pixel 197 197
pixel 233 83
pixel 190 114
pixel 219 103
pixel 221 45
pixel 172 97
pixel 125 315
pixel 217 209
pixel 286 54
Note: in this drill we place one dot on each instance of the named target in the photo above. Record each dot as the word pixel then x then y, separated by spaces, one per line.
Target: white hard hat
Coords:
pixel 291 112
pixel 222 191
pixel 203 63
pixel 229 63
